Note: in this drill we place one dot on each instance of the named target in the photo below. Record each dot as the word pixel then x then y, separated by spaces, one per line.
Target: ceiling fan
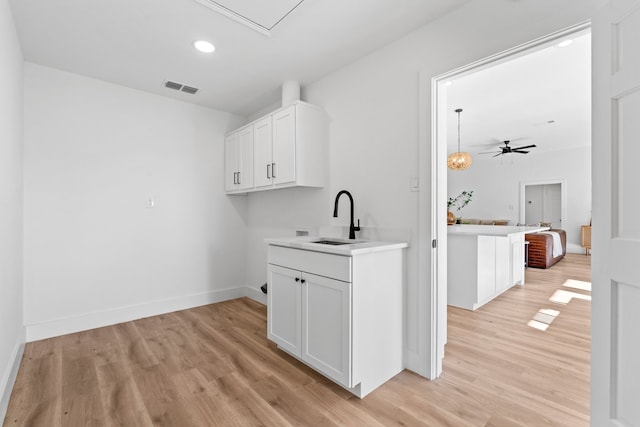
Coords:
pixel 508 149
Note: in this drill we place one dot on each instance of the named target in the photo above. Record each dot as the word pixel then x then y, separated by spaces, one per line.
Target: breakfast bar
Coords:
pixel 483 261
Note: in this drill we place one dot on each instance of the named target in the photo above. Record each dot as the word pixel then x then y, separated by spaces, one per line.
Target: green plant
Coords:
pixel 460 201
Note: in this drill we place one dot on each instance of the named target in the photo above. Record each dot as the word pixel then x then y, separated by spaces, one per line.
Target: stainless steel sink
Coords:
pixel 332 242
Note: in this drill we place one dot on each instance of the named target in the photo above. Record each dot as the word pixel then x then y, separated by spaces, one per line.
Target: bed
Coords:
pixel 546 247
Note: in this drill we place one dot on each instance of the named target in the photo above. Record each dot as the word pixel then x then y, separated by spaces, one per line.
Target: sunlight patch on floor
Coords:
pixel 543 318
pixel 578 284
pixel 564 297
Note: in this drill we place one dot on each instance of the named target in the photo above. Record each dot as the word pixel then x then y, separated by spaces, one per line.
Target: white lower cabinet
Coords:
pixel 285 308
pixel 341 315
pixel 311 319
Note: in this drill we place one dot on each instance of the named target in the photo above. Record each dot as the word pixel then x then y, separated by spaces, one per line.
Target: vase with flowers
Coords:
pixel 458 202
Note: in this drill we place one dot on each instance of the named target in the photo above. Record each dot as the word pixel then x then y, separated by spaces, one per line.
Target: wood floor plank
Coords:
pixel 213 366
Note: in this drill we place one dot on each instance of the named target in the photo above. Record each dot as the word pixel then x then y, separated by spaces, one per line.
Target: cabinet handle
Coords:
pixel 273 170
pixel 234 178
pixel 238 177
pixel 302 280
pixel 268 174
pixel 297 279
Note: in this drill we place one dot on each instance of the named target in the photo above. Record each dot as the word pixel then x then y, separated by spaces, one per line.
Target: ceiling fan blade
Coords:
pixel 499 154
pixel 525 147
pixel 521 152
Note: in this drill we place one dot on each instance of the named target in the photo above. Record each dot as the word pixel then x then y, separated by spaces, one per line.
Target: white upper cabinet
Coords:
pixel 231 158
pixel 283 169
pixel 289 149
pixel 238 158
pixel 263 141
pixel 245 173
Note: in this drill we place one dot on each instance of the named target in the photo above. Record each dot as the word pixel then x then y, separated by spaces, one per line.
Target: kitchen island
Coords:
pixel 483 261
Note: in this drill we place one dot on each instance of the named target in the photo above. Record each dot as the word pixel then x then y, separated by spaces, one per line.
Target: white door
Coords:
pixel 284 315
pixel 533 204
pixel 553 205
pixel 284 146
pixel 245 158
pixel 262 140
pixel 231 162
pixel 326 330
pixel 615 359
pixel 543 203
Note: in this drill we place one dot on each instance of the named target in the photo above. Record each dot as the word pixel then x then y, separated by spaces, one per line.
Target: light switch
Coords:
pixel 150 202
pixel 414 183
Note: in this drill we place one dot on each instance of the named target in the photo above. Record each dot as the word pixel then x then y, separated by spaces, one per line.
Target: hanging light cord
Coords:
pixel 459 110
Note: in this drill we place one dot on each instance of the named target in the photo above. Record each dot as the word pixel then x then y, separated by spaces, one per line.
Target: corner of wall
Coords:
pixel 256 295
pixel 9 378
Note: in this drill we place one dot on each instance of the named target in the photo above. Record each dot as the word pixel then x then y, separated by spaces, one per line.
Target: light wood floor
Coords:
pixel 213 366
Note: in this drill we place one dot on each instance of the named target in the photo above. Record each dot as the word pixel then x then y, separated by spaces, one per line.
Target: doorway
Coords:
pixel 442 132
pixel 542 203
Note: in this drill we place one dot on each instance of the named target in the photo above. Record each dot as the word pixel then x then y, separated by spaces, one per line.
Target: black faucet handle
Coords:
pixel 357 227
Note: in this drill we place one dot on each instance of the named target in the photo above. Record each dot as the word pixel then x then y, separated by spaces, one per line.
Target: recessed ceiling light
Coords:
pixel 204 46
pixel 564 43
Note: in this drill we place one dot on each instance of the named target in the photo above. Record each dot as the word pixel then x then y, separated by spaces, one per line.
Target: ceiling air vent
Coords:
pixel 182 88
pixel 189 89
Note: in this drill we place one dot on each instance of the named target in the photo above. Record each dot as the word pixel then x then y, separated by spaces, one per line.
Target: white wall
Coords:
pixel 12 333
pixel 374 135
pixel 94 253
pixel 496 186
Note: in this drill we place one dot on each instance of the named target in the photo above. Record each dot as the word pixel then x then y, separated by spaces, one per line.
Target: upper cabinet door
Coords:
pixel 231 162
pixel 263 156
pixel 244 178
pixel 284 146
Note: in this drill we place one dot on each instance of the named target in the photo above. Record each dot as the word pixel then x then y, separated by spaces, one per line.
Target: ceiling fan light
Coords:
pixel 460 160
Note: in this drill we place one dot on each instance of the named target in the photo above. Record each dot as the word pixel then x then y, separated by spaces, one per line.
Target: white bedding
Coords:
pixel 557 244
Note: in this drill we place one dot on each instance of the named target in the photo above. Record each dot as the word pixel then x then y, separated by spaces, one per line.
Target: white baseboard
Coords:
pixel 412 361
pixel 98 319
pixel 256 295
pixel 9 378
pixel 572 248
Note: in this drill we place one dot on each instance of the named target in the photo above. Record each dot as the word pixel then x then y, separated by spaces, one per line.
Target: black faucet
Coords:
pixel 352 227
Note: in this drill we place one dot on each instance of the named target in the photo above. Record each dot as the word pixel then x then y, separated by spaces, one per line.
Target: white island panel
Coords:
pixel 483 262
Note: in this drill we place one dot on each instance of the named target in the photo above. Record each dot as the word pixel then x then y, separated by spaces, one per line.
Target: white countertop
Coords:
pixel 354 247
pixel 491 230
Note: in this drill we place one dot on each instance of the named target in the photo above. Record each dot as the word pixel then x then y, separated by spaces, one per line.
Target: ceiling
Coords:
pixel 143 43
pixel 541 98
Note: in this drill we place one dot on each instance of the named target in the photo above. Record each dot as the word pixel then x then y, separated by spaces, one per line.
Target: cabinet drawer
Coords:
pixel 327 265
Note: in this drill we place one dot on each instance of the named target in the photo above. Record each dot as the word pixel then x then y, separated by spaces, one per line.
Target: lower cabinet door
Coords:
pixel 284 316
pixel 326 326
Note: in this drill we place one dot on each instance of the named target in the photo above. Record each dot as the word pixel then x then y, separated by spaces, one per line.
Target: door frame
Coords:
pixel 432 226
pixel 563 195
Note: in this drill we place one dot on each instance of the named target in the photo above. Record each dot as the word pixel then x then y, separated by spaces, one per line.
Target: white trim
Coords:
pixel 431 346
pixel 9 378
pixel 256 295
pixel 236 16
pixel 98 319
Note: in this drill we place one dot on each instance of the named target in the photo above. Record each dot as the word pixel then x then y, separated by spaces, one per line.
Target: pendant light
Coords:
pixel 459 160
